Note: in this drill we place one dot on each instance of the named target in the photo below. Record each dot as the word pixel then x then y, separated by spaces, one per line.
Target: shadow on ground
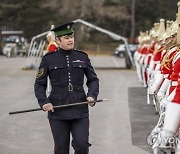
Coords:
pixel 143 117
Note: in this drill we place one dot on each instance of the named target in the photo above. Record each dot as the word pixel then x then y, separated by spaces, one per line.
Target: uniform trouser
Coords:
pixel 61 129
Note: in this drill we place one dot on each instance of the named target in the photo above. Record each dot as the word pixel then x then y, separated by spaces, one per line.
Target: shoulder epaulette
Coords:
pixel 80 51
pixel 48 53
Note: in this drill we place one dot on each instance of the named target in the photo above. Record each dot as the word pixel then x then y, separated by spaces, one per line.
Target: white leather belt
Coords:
pixel 166 76
pixel 156 62
pixel 174 83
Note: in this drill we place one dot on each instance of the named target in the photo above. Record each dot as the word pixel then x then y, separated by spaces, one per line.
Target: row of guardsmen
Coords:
pixel 158 68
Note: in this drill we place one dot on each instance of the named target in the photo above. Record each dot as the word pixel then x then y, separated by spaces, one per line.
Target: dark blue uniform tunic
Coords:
pixel 66 70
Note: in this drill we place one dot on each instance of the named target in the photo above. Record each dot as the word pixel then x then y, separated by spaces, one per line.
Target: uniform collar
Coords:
pixel 65 52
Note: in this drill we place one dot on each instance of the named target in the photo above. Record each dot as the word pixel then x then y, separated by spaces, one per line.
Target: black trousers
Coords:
pixel 61 129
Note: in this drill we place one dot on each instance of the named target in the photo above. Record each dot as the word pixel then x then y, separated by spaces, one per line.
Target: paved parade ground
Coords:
pixel 117 126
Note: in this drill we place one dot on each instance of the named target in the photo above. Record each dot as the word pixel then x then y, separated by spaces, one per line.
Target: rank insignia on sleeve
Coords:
pixel 40 73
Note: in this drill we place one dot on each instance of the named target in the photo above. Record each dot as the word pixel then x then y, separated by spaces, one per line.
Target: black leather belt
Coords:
pixel 70 87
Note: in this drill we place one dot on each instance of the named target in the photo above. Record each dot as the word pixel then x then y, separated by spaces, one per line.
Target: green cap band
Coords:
pixel 64 32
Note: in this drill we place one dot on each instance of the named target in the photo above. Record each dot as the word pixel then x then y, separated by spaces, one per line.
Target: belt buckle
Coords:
pixel 70 87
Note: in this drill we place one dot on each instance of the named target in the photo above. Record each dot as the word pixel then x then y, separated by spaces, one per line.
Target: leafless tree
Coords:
pixel 133 24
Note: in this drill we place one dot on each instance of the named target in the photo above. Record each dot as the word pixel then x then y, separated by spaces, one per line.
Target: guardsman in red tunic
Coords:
pixel 155 37
pixel 158 78
pixel 166 64
pixel 162 80
pixel 172 120
pixel 143 61
pixel 52 46
pixel 176 70
pixel 167 38
pixel 172 113
pixel 149 53
pixel 160 46
pixel 138 56
pixel 174 57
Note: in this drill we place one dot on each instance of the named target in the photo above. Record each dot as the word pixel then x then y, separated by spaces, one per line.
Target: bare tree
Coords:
pixel 133 24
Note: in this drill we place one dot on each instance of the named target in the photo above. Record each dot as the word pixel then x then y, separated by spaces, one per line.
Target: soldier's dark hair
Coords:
pixel 58 38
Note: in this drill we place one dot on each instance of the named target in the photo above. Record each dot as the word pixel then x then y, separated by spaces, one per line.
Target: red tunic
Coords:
pixel 176 98
pixel 166 65
pixel 175 73
pixel 157 54
pixel 150 51
pixel 52 47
